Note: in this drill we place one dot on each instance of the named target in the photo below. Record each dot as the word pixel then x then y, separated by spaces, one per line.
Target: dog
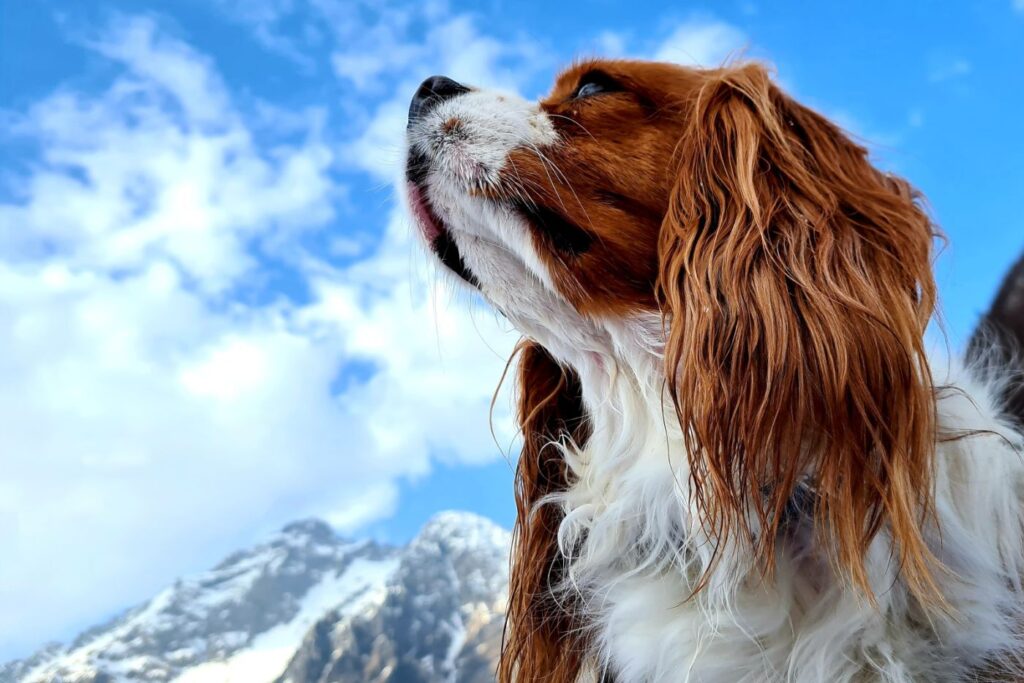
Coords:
pixel 739 461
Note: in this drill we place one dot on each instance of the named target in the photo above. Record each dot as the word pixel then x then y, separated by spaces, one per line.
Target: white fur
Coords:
pixel 639 550
pixel 631 533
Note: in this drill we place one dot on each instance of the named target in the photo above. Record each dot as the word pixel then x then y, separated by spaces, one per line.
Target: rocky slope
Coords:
pixel 306 606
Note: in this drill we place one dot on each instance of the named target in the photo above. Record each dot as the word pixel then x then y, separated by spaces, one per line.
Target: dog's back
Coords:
pixel 999 339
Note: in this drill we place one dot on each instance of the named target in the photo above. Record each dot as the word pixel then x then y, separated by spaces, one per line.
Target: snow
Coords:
pixel 357 589
pixel 207 591
pixel 128 648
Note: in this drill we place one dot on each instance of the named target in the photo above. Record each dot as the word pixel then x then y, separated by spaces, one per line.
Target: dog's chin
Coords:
pixel 437 235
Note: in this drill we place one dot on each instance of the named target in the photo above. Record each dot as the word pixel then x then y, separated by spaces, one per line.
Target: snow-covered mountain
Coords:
pixel 309 607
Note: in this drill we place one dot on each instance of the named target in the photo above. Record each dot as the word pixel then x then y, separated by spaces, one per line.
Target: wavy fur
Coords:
pixel 739 463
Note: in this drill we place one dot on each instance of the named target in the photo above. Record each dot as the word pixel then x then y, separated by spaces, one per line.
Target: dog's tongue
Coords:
pixel 424 216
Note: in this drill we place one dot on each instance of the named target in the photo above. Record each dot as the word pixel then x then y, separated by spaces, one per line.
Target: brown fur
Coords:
pixel 542 637
pixel 797 282
pixel 794 280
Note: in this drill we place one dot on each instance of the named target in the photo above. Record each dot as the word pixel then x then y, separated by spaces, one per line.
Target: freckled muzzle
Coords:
pixel 478 180
pixel 432 92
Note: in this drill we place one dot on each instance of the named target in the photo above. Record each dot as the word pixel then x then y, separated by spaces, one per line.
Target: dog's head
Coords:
pixel 791 279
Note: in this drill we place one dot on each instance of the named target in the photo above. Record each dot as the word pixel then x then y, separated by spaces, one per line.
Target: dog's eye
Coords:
pixel 595 83
pixel 588 89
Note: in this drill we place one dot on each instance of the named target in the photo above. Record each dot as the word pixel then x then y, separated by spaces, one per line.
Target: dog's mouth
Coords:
pixel 437 235
pixel 562 234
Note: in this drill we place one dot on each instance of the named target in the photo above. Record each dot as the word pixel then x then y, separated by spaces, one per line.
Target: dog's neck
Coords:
pixel 630 481
pixel 637 551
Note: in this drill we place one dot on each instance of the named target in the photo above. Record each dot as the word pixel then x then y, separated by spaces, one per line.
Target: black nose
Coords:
pixel 431 92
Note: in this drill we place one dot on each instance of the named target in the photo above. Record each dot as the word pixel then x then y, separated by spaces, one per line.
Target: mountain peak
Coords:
pixel 314 528
pixel 456 525
pixel 306 601
pixel 441 618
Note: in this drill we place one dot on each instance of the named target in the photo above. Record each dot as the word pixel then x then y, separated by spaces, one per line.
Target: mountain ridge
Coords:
pixel 306 606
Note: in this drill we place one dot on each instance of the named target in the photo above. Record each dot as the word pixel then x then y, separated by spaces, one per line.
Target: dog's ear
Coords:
pixel 796 282
pixel 542 637
pixel 998 343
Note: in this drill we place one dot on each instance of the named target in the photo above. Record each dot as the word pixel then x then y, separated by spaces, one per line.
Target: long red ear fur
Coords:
pixel 796 282
pixel 543 640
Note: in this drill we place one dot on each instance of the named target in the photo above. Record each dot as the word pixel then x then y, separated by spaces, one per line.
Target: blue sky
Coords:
pixel 213 319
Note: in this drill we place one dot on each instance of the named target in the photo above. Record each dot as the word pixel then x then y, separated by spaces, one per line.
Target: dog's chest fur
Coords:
pixel 636 552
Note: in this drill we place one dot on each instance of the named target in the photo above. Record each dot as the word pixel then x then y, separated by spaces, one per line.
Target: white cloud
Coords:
pixel 185 75
pixel 159 167
pixel 706 43
pixel 157 416
pixel 263 17
pixel 452 47
pixel 438 359
pixel 609 44
pixel 152 417
pixel 361 58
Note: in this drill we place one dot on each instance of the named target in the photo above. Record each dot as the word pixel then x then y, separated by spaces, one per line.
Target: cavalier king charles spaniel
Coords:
pixel 739 462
